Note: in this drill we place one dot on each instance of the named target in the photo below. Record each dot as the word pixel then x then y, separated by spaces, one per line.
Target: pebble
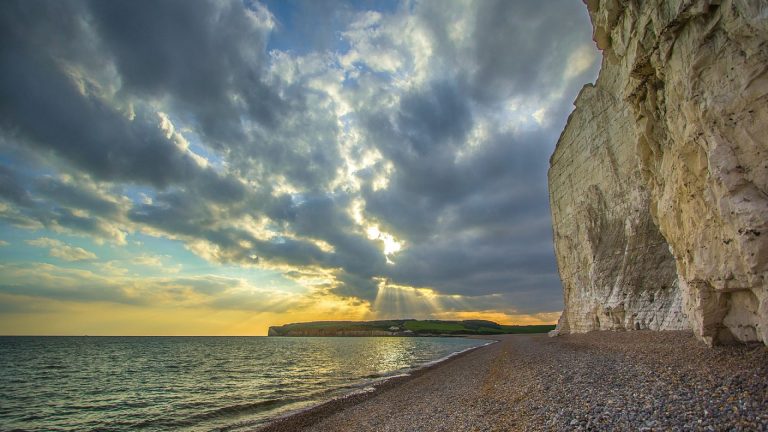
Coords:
pixel 599 381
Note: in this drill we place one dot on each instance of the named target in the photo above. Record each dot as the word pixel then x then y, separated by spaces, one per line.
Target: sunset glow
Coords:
pixel 164 172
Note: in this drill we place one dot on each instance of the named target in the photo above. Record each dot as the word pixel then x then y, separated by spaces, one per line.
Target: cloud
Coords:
pixel 84 126
pixel 200 291
pixel 163 263
pixel 430 123
pixel 148 260
pixel 261 301
pixel 518 48
pixel 81 195
pixel 74 205
pixel 208 58
pixel 59 283
pixel 61 250
pixel 11 189
pixel 19 304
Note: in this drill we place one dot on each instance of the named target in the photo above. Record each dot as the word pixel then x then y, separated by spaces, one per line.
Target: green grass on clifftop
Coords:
pixel 404 327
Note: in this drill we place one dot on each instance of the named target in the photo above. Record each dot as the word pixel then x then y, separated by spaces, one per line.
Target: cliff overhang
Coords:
pixel 659 182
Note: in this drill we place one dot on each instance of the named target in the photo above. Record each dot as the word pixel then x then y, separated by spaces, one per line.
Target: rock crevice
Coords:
pixel 659 182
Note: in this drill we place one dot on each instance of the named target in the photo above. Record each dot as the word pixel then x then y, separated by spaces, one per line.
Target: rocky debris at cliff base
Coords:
pixel 598 381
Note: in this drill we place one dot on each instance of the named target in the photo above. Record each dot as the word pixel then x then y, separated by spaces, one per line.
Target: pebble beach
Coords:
pixel 600 381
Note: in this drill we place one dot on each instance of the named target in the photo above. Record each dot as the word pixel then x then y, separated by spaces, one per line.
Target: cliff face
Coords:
pixel 659 183
pixel 615 266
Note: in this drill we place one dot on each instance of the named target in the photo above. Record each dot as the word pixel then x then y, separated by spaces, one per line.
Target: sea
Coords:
pixel 194 383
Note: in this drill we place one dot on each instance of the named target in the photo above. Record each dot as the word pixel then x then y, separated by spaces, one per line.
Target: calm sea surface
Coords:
pixel 192 383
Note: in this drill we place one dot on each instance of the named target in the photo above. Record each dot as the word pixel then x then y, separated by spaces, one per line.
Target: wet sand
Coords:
pixel 597 381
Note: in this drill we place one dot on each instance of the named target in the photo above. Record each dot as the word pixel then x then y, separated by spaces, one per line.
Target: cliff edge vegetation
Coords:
pixel 403 327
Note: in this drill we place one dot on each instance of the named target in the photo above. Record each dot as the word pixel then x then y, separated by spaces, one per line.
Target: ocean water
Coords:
pixel 192 383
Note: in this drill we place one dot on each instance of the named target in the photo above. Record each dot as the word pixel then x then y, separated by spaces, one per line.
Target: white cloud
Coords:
pixel 148 260
pixel 540 115
pixel 61 250
pixel 164 263
pixel 580 60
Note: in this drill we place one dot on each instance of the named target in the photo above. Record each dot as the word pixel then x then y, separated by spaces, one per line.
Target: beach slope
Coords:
pixel 594 381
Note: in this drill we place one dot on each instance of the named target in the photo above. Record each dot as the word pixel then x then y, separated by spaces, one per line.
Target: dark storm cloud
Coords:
pixel 92 87
pixel 519 46
pixel 51 203
pixel 503 181
pixel 319 217
pixel 360 287
pixel 65 217
pixel 479 224
pixel 206 55
pixel 181 214
pixel 484 229
pixel 325 218
pixel 438 115
pixel 42 106
pixel 304 152
pixel 428 128
pixel 477 264
pixel 514 48
pixel 73 195
pixel 209 58
pixel 11 189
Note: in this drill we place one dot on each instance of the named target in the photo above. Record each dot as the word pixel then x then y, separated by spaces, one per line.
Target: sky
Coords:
pixel 176 167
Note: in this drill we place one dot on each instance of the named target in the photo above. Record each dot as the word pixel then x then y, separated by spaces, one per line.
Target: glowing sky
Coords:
pixel 216 167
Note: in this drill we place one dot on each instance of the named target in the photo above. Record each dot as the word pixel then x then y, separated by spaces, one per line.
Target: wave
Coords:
pixel 218 413
pixel 454 354
pixel 240 409
pixel 369 387
pixel 150 388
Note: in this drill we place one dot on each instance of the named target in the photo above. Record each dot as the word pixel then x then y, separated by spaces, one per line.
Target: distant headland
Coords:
pixel 403 327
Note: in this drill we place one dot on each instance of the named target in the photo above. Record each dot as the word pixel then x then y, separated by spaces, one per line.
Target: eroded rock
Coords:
pixel 659 183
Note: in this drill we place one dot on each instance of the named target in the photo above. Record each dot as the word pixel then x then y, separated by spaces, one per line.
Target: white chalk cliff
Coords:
pixel 659 182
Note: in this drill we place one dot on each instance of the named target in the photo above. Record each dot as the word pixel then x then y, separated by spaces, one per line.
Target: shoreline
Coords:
pixel 308 416
pixel 635 380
